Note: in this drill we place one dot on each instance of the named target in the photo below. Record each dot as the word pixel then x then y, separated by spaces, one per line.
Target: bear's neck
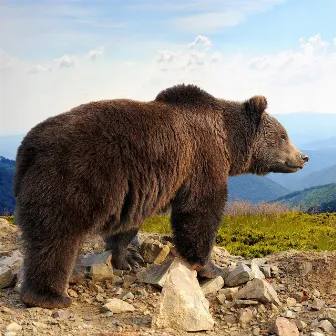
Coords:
pixel 241 135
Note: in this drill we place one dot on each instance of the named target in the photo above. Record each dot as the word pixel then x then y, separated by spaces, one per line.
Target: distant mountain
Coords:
pixel 254 189
pixel 311 199
pixel 7 200
pixel 320 177
pixel 304 128
pixel 9 145
pixel 318 160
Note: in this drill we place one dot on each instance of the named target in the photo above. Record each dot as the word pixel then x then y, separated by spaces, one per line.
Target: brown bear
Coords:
pixel 105 166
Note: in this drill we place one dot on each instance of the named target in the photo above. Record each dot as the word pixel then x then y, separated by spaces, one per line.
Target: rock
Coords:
pixel 212 285
pixel 61 314
pixel 316 293
pixel 129 280
pixel 246 316
pixel 284 327
pixel 13 327
pixel 100 265
pixel 128 296
pixel 230 319
pixel 301 325
pixel 141 292
pixel 117 306
pixel 315 333
pixel 101 272
pixel 266 269
pixel 240 275
pixel 256 270
pixel 9 268
pixel 326 326
pixel 307 267
pixel 182 303
pixel 153 251
pixel 99 298
pixel 317 304
pixel 40 325
pixel 7 277
pixel 256 331
pixel 260 290
pixel 78 274
pixel 291 302
pixel 10 333
pixel 229 292
pixel 72 293
pixel 156 274
pixel 244 303
pixel 288 314
pixel 221 298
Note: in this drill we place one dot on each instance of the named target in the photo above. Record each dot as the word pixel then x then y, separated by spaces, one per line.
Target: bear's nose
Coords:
pixel 304 157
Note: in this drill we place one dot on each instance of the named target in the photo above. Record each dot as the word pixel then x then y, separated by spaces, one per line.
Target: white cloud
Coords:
pixel 294 80
pixel 202 42
pixel 95 53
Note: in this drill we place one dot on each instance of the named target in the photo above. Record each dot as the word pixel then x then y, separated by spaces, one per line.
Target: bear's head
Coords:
pixel 272 150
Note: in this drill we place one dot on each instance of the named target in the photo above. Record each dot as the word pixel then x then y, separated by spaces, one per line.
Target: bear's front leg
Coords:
pixel 125 249
pixel 195 226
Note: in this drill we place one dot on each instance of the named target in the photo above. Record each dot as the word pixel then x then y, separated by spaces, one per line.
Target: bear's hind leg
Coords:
pixel 125 249
pixel 48 263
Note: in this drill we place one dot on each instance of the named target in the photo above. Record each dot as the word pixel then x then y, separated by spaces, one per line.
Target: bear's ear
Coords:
pixel 256 105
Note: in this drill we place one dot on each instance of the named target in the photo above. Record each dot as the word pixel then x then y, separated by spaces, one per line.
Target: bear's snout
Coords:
pixel 304 157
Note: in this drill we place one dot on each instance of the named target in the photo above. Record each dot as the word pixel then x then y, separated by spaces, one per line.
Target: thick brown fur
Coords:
pixel 106 166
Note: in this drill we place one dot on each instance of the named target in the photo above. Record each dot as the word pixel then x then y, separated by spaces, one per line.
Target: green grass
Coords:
pixel 258 235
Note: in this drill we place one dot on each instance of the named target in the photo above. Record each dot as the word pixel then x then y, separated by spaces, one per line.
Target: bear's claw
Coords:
pixel 128 260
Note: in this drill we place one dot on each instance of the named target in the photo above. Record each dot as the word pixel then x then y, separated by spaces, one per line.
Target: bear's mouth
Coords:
pixel 296 167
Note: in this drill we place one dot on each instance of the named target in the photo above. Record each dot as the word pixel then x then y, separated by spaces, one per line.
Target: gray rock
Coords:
pixel 7 278
pixel 317 304
pixel 326 326
pixel 9 268
pixel 260 290
pixel 128 296
pixel 284 327
pixel 244 303
pixel 141 292
pixel 240 275
pixel 256 270
pixel 266 269
pixel 182 304
pixel 117 306
pixel 288 314
pixel 212 285
pixel 156 274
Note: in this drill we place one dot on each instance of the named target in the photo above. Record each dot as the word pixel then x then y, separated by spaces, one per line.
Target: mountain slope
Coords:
pixel 254 188
pixel 311 198
pixel 9 145
pixel 320 177
pixel 7 200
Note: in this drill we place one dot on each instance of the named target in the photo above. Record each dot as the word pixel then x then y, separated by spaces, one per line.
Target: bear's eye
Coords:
pixel 283 137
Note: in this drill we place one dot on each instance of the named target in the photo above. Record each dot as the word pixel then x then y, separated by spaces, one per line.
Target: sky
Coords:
pixel 55 55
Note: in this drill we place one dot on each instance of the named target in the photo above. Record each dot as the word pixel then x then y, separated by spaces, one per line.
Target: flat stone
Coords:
pixel 244 303
pixel 301 325
pixel 212 285
pixel 101 272
pixel 182 304
pixel 96 258
pixel 284 327
pixel 288 314
pixel 61 314
pixel 129 280
pixel 317 304
pixel 240 275
pixel 156 274
pixel 326 326
pixel 117 306
pixel 315 333
pixel 267 271
pixel 260 290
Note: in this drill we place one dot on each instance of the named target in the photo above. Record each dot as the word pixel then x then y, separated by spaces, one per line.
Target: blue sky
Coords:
pixel 58 54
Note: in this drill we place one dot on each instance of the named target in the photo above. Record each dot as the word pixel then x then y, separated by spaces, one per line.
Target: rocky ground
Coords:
pixel 291 293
